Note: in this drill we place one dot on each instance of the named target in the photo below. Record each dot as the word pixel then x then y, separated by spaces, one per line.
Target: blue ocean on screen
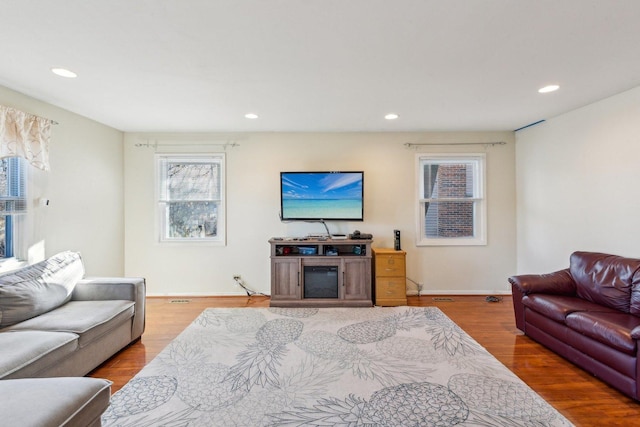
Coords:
pixel 321 195
pixel 323 208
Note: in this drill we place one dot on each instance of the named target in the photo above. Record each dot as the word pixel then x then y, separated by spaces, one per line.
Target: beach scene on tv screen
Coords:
pixel 322 195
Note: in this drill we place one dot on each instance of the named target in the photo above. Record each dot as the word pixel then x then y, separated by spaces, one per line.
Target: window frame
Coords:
pixel 15 225
pixel 479 199
pixel 161 204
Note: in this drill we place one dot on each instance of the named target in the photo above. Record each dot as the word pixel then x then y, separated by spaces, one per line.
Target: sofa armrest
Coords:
pixel 558 283
pixel 116 288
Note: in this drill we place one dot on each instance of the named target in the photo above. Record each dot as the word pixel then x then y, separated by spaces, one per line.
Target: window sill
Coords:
pixel 452 242
pixel 10 264
pixel 187 242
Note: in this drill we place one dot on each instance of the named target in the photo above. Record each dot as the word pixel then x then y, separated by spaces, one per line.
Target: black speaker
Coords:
pixel 396 245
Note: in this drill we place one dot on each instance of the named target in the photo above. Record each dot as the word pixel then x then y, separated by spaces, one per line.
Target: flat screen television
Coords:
pixel 315 196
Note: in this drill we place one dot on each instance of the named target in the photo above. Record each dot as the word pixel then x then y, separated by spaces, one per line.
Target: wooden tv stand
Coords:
pixel 345 262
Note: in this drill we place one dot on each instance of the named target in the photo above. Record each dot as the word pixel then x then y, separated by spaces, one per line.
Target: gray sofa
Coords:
pixel 53 402
pixel 54 322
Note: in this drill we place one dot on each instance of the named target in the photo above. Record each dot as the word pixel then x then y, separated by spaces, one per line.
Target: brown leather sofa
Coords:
pixel 588 313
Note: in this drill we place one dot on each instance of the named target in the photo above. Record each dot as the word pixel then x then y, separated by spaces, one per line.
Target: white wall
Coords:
pixel 577 178
pixel 577 184
pixel 253 204
pixel 84 186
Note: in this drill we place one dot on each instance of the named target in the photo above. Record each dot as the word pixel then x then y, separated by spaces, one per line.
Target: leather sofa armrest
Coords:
pixel 558 283
pixel 116 288
pixel 635 333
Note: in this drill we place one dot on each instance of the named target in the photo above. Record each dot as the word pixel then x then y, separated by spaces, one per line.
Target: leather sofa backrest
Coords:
pixel 606 279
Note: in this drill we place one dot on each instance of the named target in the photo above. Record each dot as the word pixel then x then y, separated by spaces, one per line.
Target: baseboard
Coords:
pixel 198 294
pixel 424 293
pixel 459 292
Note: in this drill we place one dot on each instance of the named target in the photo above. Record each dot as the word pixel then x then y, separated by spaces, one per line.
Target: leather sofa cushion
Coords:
pixel 38 288
pixel 605 279
pixel 557 307
pixel 26 353
pixel 612 329
pixel 87 319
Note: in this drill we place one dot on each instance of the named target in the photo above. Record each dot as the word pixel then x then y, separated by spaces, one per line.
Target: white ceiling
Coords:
pixel 319 65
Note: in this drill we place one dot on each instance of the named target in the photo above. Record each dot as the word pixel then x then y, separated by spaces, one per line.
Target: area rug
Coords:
pixel 396 366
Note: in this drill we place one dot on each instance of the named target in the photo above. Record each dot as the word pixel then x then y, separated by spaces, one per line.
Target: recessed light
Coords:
pixel 63 72
pixel 251 116
pixel 549 88
pixel 391 116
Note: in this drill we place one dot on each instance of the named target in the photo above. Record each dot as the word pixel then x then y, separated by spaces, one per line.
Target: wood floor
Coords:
pixel 584 400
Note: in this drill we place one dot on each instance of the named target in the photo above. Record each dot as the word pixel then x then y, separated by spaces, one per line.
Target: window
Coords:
pixel 13 203
pixel 452 207
pixel 191 200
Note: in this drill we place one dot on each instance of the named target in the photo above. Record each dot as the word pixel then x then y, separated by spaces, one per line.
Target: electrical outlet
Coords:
pixel 236 277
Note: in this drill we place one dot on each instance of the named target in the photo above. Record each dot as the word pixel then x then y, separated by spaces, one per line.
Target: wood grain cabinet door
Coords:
pixel 285 279
pixel 356 278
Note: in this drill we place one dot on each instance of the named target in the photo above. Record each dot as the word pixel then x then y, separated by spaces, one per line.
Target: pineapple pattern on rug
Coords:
pixel 395 366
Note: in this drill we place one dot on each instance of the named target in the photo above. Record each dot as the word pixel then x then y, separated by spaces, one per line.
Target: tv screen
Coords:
pixel 321 195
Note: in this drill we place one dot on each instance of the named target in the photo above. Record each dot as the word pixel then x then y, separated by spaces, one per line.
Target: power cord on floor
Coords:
pixel 418 285
pixel 492 298
pixel 249 292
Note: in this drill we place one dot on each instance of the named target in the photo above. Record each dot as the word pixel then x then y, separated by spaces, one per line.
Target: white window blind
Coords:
pixel 13 198
pixel 191 198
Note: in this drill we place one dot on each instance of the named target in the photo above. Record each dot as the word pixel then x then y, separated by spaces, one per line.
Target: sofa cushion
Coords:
pixel 54 402
pixel 634 307
pixel 38 288
pixel 605 279
pixel 87 319
pixel 611 329
pixel 25 353
pixel 557 307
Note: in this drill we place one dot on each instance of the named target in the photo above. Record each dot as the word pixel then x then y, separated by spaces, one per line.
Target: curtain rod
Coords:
pixel 486 144
pixel 156 144
pixel 53 122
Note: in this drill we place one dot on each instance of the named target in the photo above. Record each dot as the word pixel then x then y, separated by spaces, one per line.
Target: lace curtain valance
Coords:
pixel 25 135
